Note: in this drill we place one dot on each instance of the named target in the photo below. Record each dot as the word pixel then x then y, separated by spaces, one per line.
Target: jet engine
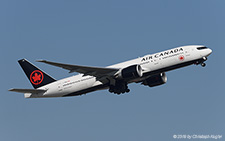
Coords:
pixel 155 80
pixel 130 72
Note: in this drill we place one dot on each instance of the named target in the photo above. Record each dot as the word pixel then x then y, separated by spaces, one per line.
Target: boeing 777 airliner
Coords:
pixel 148 70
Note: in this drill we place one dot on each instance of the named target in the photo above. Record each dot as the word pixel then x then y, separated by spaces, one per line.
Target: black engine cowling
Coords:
pixel 155 80
pixel 130 72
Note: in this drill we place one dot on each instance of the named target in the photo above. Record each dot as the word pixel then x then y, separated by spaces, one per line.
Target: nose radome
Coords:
pixel 210 51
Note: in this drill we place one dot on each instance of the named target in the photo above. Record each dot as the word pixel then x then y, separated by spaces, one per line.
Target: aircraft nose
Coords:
pixel 210 51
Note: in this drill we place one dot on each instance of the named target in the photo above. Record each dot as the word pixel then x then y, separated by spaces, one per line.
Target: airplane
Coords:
pixel 148 70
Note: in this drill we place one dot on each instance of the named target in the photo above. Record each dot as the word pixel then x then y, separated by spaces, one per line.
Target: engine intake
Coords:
pixel 155 80
pixel 130 72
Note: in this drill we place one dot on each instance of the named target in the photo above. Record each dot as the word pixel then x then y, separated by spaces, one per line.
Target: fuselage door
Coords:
pixel 60 88
pixel 187 52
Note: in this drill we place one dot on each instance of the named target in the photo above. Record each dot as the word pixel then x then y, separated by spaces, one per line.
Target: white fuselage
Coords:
pixel 150 64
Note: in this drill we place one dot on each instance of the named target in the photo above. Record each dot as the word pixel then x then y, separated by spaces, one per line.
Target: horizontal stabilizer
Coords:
pixel 32 91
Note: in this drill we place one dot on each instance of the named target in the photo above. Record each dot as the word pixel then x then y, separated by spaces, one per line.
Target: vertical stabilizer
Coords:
pixel 36 76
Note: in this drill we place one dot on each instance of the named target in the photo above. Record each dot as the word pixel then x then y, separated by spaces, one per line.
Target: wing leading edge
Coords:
pixel 86 70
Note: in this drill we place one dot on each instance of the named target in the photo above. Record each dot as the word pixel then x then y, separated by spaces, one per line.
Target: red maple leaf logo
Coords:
pixel 36 77
pixel 181 57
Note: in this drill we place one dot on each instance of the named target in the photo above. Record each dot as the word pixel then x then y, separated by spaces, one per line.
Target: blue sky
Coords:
pixel 101 33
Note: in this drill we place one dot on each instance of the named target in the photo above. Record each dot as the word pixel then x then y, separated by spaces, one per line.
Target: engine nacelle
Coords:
pixel 130 72
pixel 155 80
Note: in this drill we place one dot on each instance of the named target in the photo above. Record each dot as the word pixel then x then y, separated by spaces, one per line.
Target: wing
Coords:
pixel 86 70
pixel 33 91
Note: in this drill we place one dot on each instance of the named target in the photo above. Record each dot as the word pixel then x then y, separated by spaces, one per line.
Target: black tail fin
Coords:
pixel 36 76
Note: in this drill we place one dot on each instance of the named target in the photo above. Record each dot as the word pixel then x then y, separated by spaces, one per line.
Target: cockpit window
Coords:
pixel 200 48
